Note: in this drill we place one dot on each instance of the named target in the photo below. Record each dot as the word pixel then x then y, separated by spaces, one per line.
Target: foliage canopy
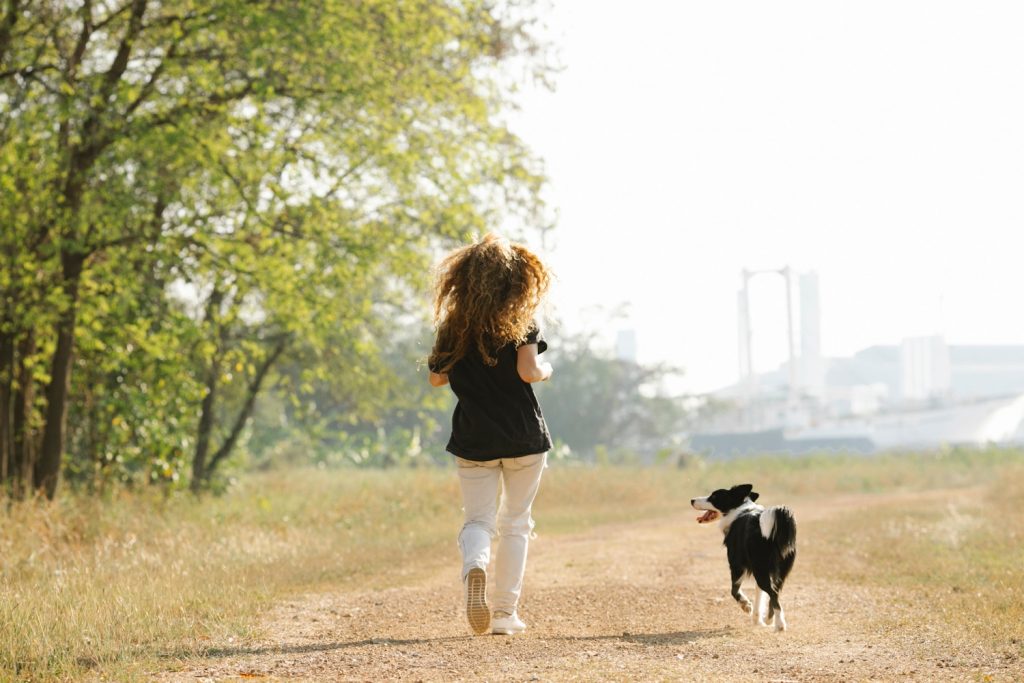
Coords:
pixel 203 199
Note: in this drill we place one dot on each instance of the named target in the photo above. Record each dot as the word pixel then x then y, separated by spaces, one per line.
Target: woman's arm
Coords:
pixel 438 379
pixel 529 366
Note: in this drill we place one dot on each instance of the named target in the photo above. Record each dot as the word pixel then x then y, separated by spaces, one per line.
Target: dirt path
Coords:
pixel 640 601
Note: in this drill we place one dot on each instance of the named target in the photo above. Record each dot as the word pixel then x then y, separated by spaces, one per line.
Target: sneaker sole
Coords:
pixel 477 612
pixel 507 631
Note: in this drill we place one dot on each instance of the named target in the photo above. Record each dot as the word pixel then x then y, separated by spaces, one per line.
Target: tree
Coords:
pixel 387 415
pixel 253 145
pixel 598 403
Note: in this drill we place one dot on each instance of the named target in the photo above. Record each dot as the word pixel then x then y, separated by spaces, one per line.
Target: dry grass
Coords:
pixel 88 584
pixel 114 586
pixel 960 559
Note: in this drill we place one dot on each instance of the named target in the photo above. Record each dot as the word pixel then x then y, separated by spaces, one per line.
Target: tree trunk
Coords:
pixel 247 408
pixel 23 454
pixel 210 399
pixel 205 426
pixel 47 467
pixel 6 427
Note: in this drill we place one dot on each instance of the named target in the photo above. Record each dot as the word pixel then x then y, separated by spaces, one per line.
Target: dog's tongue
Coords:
pixel 707 517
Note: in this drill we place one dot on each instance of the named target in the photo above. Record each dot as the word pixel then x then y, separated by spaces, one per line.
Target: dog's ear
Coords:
pixel 754 495
pixel 743 490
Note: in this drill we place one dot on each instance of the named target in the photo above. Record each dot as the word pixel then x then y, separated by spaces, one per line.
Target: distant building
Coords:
pixel 978 371
pixel 625 345
pixel 920 394
pixel 811 366
pixel 924 369
pixel 866 399
pixel 975 372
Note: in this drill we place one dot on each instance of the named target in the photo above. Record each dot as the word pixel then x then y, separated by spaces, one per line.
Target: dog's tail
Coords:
pixel 778 525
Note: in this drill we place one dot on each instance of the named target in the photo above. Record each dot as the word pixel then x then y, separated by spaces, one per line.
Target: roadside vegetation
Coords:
pixel 117 585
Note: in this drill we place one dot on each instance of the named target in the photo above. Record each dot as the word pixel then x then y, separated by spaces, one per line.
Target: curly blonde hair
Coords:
pixel 485 296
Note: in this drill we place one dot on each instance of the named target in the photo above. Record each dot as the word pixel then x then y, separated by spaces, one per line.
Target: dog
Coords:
pixel 759 541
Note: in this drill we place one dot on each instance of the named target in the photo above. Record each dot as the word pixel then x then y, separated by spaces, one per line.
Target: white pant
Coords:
pixel 480 483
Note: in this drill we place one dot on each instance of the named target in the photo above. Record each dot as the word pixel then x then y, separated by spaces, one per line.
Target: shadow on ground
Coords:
pixel 671 638
pixel 222 652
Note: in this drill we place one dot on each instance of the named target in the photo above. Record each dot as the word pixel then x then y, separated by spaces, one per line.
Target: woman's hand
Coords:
pixel 547 370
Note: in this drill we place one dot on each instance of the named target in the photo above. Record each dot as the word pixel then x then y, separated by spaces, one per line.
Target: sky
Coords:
pixel 880 144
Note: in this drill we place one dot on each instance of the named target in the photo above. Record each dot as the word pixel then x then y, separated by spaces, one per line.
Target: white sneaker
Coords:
pixel 505 624
pixel 477 612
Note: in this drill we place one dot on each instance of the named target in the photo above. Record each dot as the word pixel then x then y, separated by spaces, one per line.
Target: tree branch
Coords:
pixel 82 42
pixel 153 225
pixel 28 71
pixel 247 408
pixel 112 16
pixel 174 114
pixel 94 138
pixel 172 53
pixel 7 23
pixel 150 84
pixel 124 50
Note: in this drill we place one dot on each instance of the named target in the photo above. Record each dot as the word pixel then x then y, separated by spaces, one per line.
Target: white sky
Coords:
pixel 880 143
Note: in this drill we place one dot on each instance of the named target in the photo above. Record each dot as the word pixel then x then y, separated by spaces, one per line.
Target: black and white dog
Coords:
pixel 759 541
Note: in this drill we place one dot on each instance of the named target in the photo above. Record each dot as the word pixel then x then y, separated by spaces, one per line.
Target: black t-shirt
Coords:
pixel 497 415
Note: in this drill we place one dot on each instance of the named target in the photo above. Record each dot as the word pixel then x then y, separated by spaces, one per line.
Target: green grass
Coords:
pixel 115 586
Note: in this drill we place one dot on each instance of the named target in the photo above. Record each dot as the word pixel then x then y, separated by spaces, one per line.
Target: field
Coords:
pixel 910 566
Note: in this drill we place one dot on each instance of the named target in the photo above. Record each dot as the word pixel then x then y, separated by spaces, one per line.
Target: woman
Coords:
pixel 487 349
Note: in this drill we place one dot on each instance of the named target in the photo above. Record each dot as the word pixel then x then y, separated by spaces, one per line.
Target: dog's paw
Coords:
pixel 747 606
pixel 780 625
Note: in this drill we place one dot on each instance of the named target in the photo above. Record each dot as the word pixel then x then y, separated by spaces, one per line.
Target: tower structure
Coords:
pixel 805 365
